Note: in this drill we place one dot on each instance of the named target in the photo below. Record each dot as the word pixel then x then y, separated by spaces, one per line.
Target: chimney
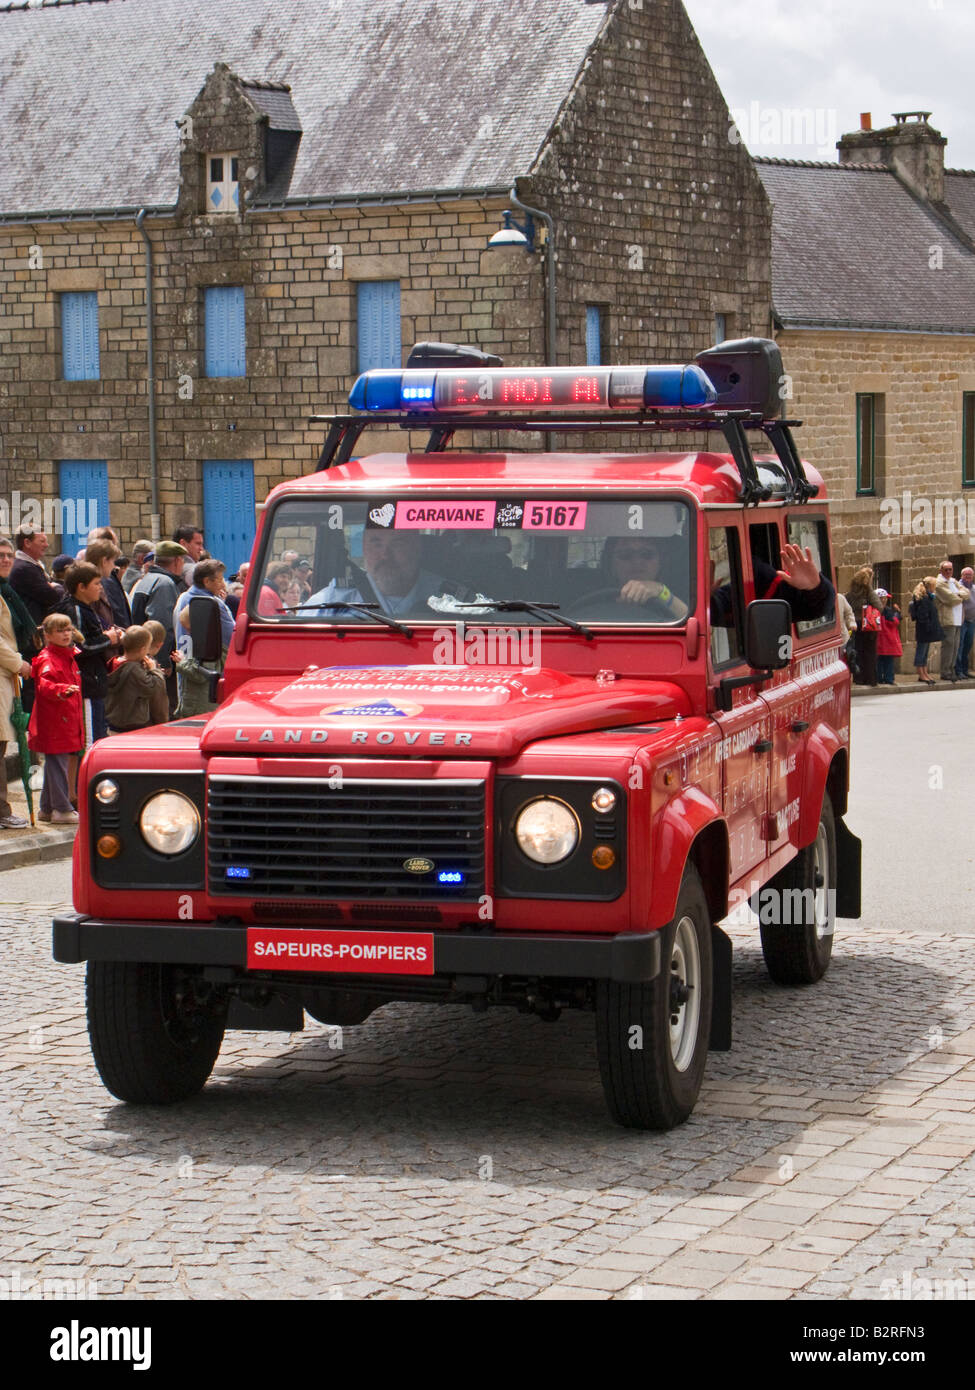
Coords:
pixel 911 148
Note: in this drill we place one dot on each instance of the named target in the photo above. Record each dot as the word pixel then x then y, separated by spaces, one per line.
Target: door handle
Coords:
pixel 800 726
pixel 764 745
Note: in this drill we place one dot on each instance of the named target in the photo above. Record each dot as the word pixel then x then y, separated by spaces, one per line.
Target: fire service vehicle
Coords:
pixel 497 725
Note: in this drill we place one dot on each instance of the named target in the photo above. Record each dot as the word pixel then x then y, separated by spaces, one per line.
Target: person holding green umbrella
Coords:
pixel 12 668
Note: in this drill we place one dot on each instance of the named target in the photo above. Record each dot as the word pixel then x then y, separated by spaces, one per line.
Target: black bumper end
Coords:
pixel 629 958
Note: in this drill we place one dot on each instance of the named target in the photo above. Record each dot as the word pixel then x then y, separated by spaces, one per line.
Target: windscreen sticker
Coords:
pixel 462 515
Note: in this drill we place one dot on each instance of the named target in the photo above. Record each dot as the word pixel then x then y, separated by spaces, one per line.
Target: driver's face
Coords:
pixel 634 558
pixel 392 560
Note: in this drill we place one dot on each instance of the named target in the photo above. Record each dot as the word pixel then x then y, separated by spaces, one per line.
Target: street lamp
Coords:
pixel 523 234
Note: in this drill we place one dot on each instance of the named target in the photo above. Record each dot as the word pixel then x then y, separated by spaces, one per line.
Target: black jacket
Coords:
pixel 924 611
pixel 117 601
pixel 93 656
pixel 39 594
pixel 806 604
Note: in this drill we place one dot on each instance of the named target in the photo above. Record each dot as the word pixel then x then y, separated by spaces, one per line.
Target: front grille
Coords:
pixel 300 838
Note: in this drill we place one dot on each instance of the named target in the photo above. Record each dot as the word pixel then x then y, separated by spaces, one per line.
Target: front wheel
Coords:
pixel 155 1030
pixel 652 1038
pixel 797 909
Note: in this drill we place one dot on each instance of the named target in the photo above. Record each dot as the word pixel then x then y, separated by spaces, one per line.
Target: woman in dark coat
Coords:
pixel 860 593
pixel 927 628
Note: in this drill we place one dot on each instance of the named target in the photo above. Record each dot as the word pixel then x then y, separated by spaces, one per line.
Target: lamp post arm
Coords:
pixel 550 300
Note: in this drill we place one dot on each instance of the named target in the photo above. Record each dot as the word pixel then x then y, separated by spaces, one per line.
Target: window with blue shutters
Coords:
pixel 228 510
pixel 594 335
pixel 83 500
pixel 223 312
pixel 79 335
pixel 380 343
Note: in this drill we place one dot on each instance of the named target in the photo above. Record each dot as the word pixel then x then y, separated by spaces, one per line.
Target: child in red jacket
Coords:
pixel 889 645
pixel 55 727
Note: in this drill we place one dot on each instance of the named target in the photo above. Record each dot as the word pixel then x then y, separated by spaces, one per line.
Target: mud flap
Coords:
pixel 848 857
pixel 720 991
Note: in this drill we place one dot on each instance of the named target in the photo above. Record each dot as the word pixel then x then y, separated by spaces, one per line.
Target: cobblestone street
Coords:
pixel 442 1153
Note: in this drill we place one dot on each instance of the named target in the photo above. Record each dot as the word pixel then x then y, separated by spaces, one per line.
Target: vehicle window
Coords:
pixel 811 532
pixel 727 646
pixel 422 558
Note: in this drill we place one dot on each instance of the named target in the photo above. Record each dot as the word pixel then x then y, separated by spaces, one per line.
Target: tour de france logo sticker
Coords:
pixel 374 709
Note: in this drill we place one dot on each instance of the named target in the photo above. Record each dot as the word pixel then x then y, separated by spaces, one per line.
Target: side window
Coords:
pixel 810 532
pixel 724 566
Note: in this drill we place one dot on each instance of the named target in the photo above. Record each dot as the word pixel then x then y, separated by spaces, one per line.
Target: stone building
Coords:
pixel 308 187
pixel 874 296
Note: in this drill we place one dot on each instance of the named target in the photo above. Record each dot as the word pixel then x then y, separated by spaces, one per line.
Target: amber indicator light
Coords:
pixel 109 846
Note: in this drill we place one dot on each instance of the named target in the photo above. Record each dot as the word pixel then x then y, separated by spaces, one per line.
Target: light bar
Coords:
pixel 554 390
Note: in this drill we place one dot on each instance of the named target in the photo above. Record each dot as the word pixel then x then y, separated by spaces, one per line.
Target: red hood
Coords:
pixel 440 711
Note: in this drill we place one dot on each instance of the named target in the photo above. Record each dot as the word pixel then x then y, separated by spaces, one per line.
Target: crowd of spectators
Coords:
pixel 101 645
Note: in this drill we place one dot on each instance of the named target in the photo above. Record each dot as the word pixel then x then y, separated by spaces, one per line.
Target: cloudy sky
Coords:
pixel 836 58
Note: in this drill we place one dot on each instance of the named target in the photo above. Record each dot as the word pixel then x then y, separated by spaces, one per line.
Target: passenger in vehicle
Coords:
pixel 809 593
pixel 393 577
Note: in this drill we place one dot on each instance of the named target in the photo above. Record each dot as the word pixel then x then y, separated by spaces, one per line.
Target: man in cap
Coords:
pixel 154 597
pixel 140 553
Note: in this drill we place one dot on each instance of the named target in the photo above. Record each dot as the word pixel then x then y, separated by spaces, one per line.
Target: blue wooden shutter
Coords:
pixel 380 344
pixel 226 353
pixel 593 335
pixel 83 492
pixel 228 510
pixel 79 335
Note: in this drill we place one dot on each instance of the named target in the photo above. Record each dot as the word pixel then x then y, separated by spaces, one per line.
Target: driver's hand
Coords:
pixel 639 590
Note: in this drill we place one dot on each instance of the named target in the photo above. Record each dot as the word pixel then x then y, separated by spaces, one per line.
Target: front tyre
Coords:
pixel 797 909
pixel 652 1038
pixel 155 1030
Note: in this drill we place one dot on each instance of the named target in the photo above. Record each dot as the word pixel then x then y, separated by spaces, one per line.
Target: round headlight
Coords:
pixel 107 791
pixel 547 831
pixel 169 822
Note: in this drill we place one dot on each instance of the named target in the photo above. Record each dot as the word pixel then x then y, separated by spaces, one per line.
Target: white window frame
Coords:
pixel 226 186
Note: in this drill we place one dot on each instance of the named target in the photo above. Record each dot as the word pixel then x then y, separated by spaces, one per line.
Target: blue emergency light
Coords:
pixel 543 390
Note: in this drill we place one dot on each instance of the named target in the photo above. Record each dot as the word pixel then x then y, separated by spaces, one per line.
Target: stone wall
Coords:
pixel 923 378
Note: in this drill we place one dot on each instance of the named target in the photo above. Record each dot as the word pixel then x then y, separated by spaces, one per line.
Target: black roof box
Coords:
pixel 747 375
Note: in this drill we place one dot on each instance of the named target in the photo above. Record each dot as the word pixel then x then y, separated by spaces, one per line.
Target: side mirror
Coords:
pixel 768 634
pixel 205 629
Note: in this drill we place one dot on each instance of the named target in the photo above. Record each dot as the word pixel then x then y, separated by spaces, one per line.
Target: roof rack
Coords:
pixel 344 432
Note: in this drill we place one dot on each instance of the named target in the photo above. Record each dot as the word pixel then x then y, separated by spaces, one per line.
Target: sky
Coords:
pixel 832 60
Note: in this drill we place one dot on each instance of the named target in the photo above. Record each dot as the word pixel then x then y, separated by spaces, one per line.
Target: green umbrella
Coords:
pixel 20 720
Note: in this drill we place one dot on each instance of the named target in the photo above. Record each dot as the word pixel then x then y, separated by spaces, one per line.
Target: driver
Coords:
pixel 393 576
pixel 632 565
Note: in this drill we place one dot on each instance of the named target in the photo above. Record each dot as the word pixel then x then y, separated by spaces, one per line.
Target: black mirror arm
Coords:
pixel 729 683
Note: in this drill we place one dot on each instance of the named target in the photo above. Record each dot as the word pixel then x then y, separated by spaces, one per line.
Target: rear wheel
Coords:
pixel 797 909
pixel 155 1030
pixel 652 1038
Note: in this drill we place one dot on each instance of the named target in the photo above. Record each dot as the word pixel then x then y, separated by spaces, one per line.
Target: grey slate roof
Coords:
pixel 851 248
pixel 392 95
pixel 960 197
pixel 273 99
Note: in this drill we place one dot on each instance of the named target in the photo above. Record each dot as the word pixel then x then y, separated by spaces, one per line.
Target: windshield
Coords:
pixel 422 559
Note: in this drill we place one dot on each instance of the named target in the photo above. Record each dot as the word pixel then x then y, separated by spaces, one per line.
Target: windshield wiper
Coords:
pixel 371 610
pixel 523 605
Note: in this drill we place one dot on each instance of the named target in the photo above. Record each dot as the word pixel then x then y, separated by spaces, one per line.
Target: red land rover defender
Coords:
pixel 522 729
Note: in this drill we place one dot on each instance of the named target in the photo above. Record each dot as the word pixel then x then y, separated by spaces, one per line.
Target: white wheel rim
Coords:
pixel 823 893
pixel 685 967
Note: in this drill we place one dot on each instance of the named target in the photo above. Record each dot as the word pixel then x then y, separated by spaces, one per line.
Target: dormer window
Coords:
pixel 223 189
